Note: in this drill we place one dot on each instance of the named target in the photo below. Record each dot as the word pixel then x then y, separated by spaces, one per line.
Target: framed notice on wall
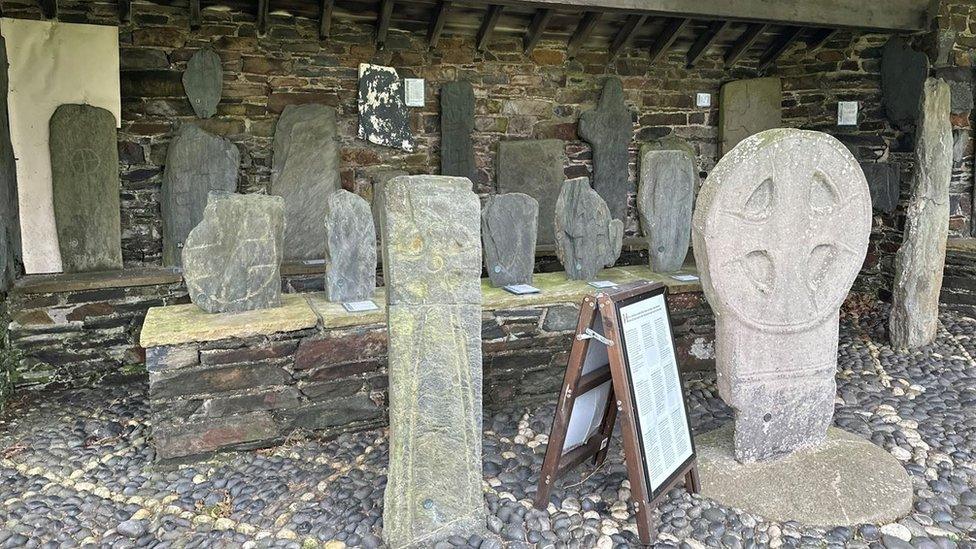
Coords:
pixel 623 363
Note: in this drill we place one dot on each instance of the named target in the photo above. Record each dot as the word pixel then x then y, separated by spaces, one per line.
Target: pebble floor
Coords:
pixel 76 469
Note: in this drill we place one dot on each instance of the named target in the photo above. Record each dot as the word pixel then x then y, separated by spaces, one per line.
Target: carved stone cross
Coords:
pixel 609 129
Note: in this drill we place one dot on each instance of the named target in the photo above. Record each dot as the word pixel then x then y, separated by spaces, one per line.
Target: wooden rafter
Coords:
pixel 667 37
pixel 583 31
pixel 488 26
pixel 383 22
pixel 49 8
pixel 538 26
pixel 746 41
pixel 437 23
pixel 262 19
pixel 705 41
pixel 820 37
pixel 325 18
pixel 620 41
pixel 196 19
pixel 125 11
pixel 779 46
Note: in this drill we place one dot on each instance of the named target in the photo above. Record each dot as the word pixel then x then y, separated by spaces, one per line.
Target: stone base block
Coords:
pixel 843 482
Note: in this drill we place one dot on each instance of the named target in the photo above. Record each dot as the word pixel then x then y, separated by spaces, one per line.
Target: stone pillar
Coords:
pixel 432 267
pixel 780 231
pixel 921 258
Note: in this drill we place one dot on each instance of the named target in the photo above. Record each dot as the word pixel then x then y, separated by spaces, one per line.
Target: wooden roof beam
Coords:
pixel 778 47
pixel 125 11
pixel 437 23
pixel 196 19
pixel 582 32
pixel 383 22
pixel 667 37
pixel 325 18
pixel 633 23
pixel 538 26
pixel 49 9
pixel 488 26
pixel 746 41
pixel 820 37
pixel 264 6
pixel 706 40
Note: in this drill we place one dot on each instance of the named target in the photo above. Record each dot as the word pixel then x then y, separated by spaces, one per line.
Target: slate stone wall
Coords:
pixel 959 280
pixel 241 393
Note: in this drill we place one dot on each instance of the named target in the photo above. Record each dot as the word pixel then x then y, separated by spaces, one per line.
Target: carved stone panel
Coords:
pixel 383 115
pixel 587 237
pixel 903 74
pixel 203 82
pixel 609 128
pixel 748 107
pixel 350 248
pixel 668 179
pixel 508 232
pixel 534 167
pixel 457 123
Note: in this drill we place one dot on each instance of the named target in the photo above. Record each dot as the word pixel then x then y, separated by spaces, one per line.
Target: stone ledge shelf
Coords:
pixel 235 381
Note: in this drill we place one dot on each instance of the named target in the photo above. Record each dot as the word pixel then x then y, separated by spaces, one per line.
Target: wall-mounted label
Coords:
pixel 847 113
pixel 703 100
pixel 414 92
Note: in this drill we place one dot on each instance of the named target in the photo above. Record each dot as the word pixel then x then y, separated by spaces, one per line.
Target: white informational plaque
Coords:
pixel 653 368
pixel 589 407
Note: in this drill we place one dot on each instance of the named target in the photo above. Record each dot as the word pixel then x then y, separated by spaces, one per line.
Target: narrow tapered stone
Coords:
pixel 609 128
pixel 508 231
pixel 587 237
pixel 350 248
pixel 668 179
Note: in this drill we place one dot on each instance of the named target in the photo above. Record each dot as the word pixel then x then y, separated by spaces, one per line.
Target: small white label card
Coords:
pixel 603 284
pixel 703 100
pixel 313 262
pixel 685 278
pixel 521 289
pixel 360 306
pixel 414 95
pixel 847 113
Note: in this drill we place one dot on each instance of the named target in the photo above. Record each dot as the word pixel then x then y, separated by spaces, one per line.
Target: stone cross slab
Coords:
pixel 432 265
pixel 609 128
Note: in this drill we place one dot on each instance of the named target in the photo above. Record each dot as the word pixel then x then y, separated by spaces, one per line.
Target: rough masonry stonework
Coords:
pixel 780 231
pixel 747 107
pixel 587 237
pixel 884 180
pixel 432 261
pixel 920 260
pixel 383 115
pixel 534 167
pixel 203 82
pixel 903 73
pixel 609 128
pixel 232 258
pixel 305 172
pixel 196 164
pixel 350 248
pixel 668 179
pixel 85 186
pixel 457 123
pixel 508 231
pixel 378 179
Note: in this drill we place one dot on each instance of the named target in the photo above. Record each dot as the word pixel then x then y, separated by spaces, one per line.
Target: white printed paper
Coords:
pixel 589 407
pixel 601 284
pixel 847 113
pixel 521 289
pixel 360 306
pixel 414 92
pixel 685 278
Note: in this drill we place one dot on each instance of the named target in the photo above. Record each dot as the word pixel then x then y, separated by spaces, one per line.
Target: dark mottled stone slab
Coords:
pixel 305 172
pixel 85 186
pixel 668 179
pixel 378 178
pixel 457 123
pixel 196 164
pixel 747 107
pixel 232 259
pixel 203 82
pixel 383 116
pixel 884 180
pixel 10 250
pixel 350 248
pixel 609 129
pixel 509 225
pixel 587 237
pixel 534 167
pixel 903 73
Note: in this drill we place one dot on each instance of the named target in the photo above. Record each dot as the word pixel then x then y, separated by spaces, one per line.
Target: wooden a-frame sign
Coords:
pixel 613 371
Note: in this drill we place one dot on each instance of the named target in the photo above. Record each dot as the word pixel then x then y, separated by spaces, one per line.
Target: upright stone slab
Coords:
pixel 508 232
pixel 305 172
pixel 884 180
pixel 383 115
pixel 432 263
pixel 921 258
pixel 534 167
pixel 197 163
pixel 780 231
pixel 378 178
pixel 587 237
pixel 457 123
pixel 232 259
pixel 609 129
pixel 668 179
pixel 747 107
pixel 10 250
pixel 350 248
pixel 903 74
pixel 85 186
pixel 203 82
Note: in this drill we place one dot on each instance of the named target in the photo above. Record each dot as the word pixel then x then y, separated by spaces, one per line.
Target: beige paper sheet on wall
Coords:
pixel 51 64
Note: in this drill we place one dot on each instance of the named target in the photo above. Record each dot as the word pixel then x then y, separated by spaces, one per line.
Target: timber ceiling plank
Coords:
pixel 538 26
pixel 752 34
pixel 437 23
pixel 582 32
pixel 778 47
pixel 325 19
pixel 488 26
pixel 705 40
pixel 383 22
pixel 667 37
pixel 631 26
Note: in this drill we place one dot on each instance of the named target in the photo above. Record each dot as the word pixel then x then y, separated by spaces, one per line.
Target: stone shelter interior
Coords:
pixel 199 197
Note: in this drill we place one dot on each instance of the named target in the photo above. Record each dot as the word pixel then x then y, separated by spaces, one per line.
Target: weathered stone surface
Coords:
pixel 432 257
pixel 378 179
pixel 780 231
pixel 203 82
pixel 383 116
pixel 457 123
pixel 668 179
pixel 232 259
pixel 747 107
pixel 10 250
pixel 960 80
pixel 587 237
pixel 305 172
pixel 196 164
pixel 508 231
pixel 920 260
pixel 350 248
pixel 609 129
pixel 884 181
pixel 903 73
pixel 534 167
pixel 85 183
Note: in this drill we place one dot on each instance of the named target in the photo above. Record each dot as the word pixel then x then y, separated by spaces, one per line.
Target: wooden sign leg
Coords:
pixel 692 481
pixel 606 429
